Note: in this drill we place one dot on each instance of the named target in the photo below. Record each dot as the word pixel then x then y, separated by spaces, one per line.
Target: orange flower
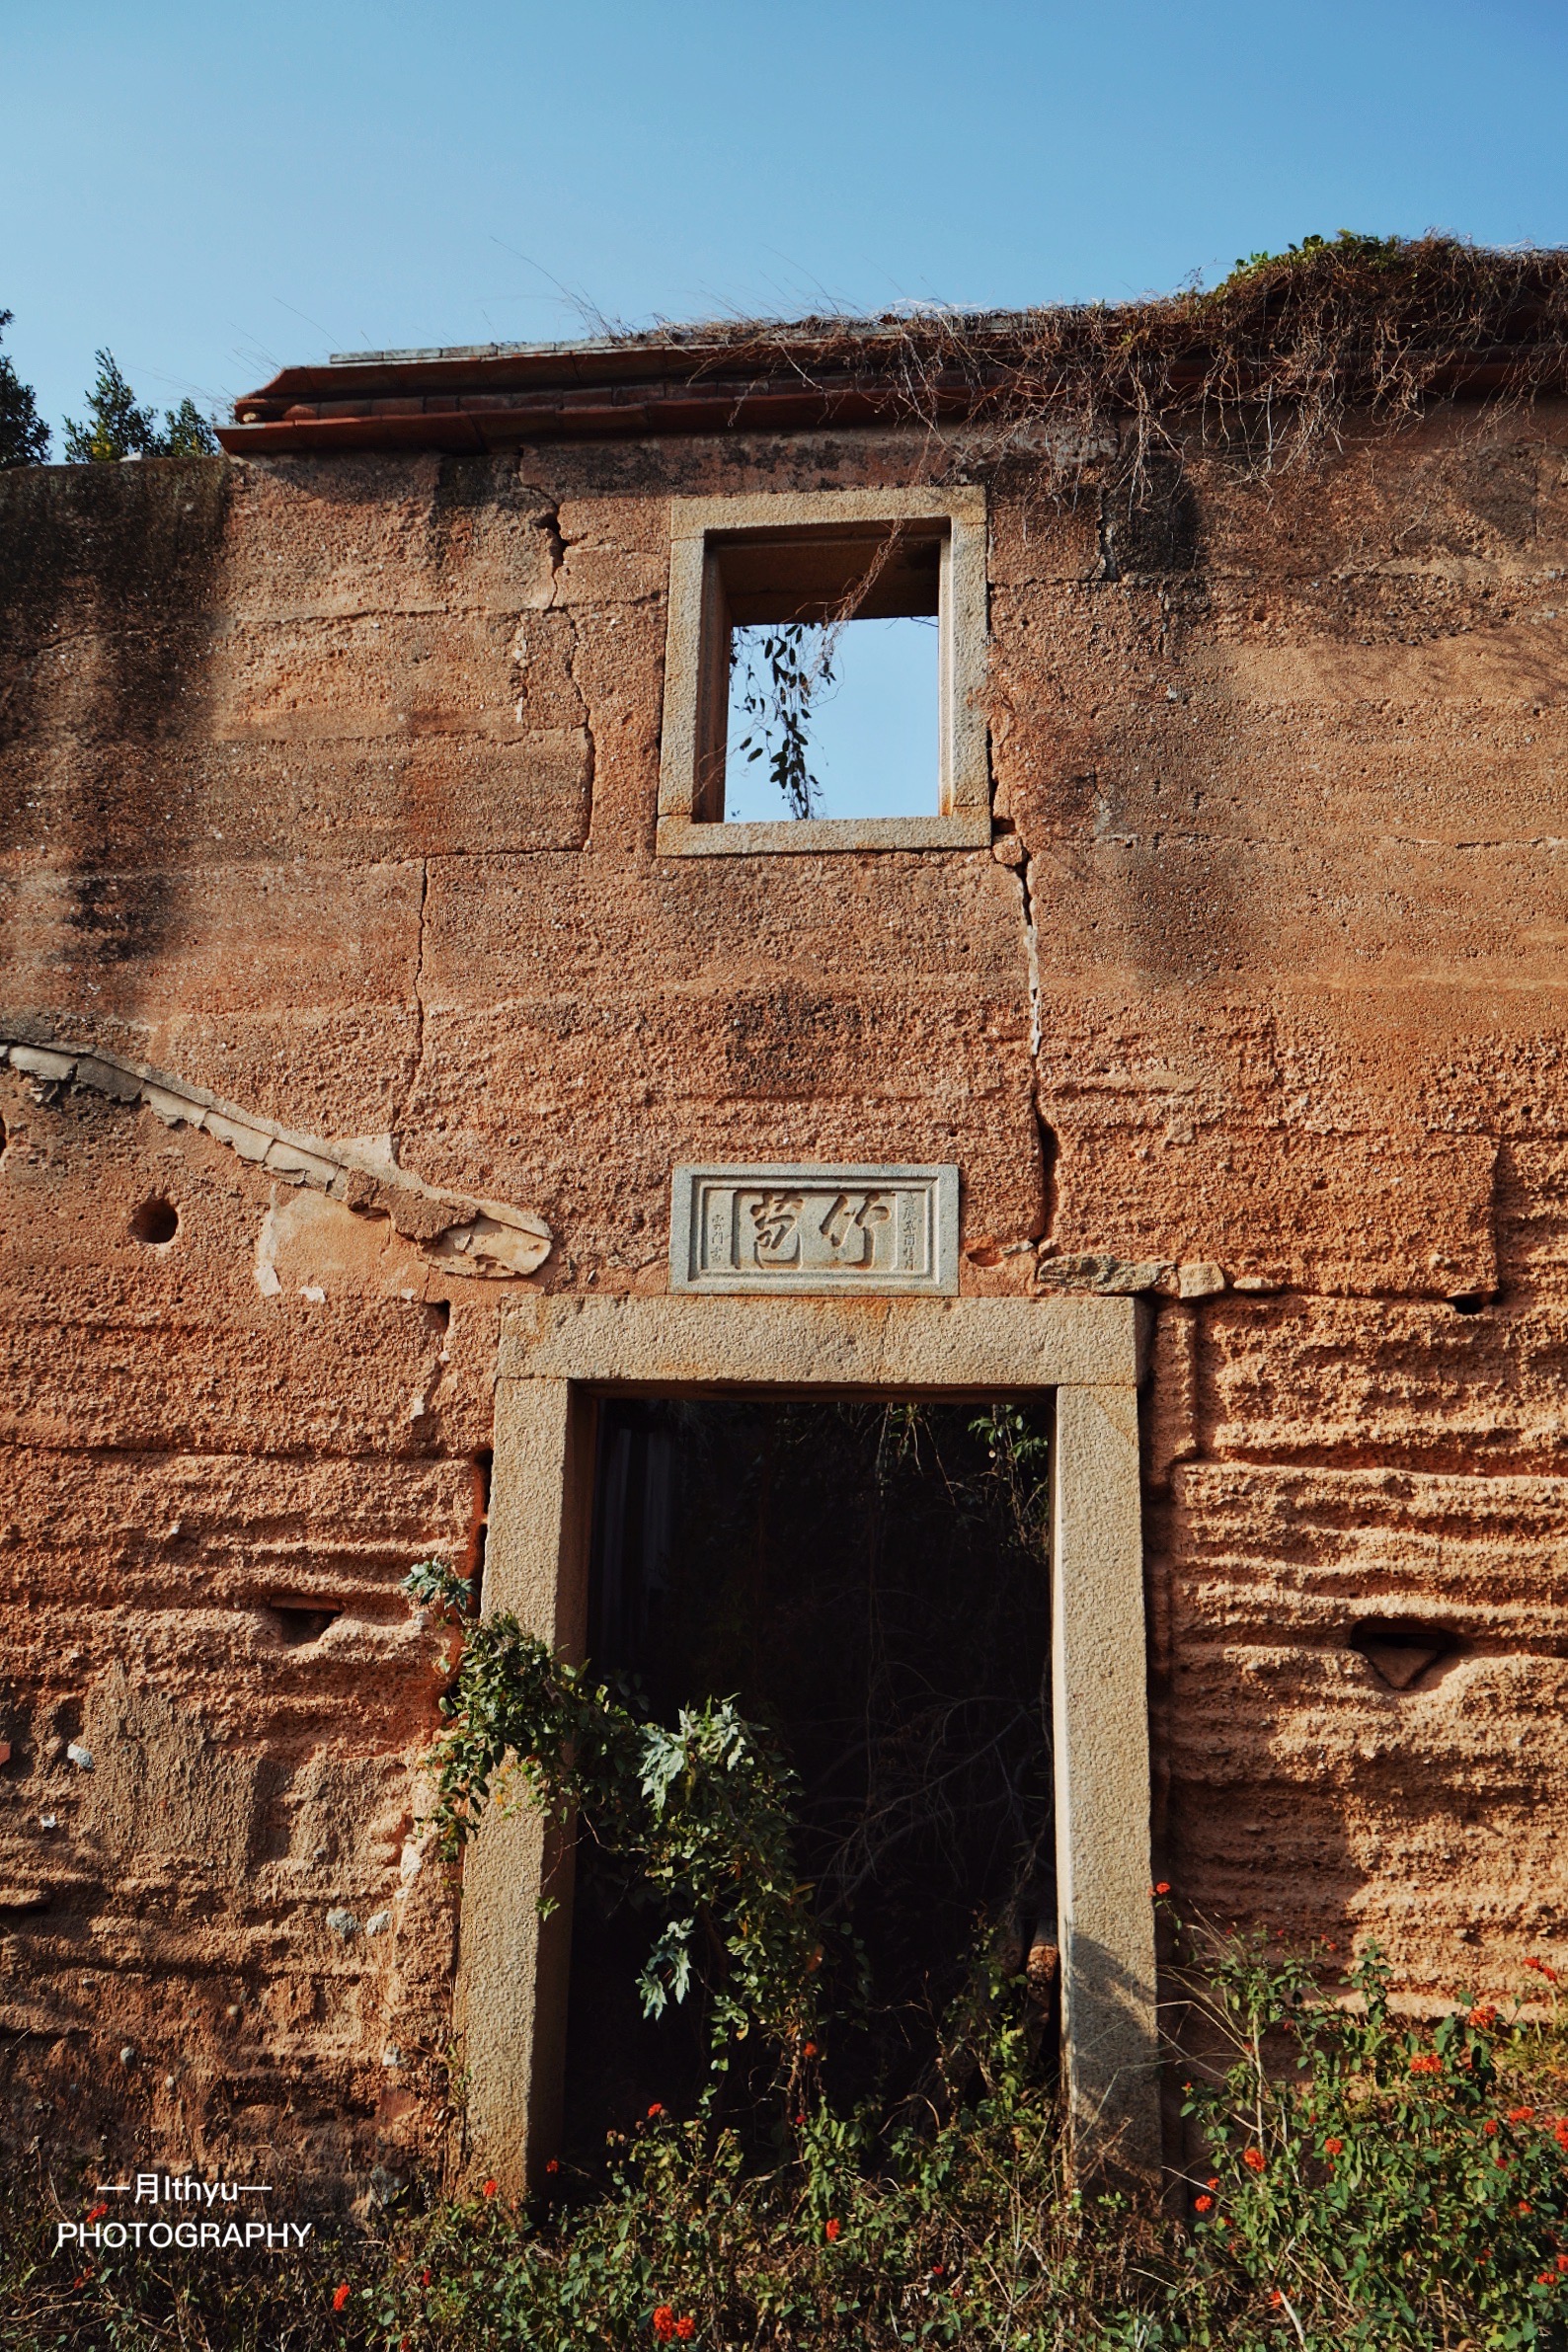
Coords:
pixel 424 2278
pixel 490 2187
pixel 1483 2016
pixel 1254 2159
pixel 656 2109
pixel 1523 2205
pixel 1276 2297
pixel 1544 1969
pixel 685 2328
pixel 340 2297
pixel 1333 2147
pixel 1203 2204
pixel 663 2321
pixel 830 2230
pixel 1163 1887
pixel 1489 2128
pixel 1563 2262
pixel 811 2050
pixel 99 2211
pixel 1426 2062
pixel 1521 2114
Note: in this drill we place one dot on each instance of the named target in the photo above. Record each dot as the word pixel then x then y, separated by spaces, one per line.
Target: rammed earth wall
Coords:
pixel 328 795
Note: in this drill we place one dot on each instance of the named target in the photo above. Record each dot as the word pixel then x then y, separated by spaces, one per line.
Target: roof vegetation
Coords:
pixel 1274 357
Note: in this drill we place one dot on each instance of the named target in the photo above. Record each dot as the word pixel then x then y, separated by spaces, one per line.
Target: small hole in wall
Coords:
pixel 156 1221
pixel 1399 1650
pixel 441 1313
pixel 1469 1306
pixel 299 1625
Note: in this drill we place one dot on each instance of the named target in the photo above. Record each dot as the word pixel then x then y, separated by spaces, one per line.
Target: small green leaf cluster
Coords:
pixel 782 670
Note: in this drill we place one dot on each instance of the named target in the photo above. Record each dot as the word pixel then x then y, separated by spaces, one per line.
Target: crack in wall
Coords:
pixel 401 1115
pixel 1044 1134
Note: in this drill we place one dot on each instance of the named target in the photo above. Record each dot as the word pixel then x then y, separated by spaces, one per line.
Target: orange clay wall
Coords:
pixel 328 789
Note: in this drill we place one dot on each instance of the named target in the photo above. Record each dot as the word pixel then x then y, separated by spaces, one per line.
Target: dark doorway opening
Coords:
pixel 869 1580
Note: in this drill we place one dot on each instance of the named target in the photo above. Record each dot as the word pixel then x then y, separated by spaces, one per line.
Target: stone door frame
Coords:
pixel 557 1357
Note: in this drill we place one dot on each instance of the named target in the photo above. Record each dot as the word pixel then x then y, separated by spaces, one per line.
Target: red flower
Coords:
pixel 340 2297
pixel 1202 2203
pixel 1163 1887
pixel 685 2328
pixel 1276 2297
pixel 1489 2128
pixel 99 2211
pixel 656 2109
pixel 937 2268
pixel 554 2165
pixel 811 2050
pixel 663 2321
pixel 424 2278
pixel 1254 2159
pixel 1519 2114
pixel 1426 2062
pixel 1545 2279
pixel 1559 2131
pixel 1333 2147
pixel 1562 2261
pixel 1483 2014
pixel 1523 2205
pixel 831 2229
pixel 1213 2180
pixel 1544 1969
pixel 490 2186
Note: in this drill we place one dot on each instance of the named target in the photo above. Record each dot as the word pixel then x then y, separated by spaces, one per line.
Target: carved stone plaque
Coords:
pixel 814 1228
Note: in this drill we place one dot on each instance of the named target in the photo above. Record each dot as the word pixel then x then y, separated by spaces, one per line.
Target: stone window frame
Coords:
pixel 692 681
pixel 557 1357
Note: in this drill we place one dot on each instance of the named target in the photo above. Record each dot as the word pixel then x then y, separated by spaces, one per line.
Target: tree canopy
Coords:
pixel 24 436
pixel 116 427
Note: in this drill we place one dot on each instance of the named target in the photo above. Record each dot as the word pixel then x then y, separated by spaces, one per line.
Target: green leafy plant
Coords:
pixel 698 1814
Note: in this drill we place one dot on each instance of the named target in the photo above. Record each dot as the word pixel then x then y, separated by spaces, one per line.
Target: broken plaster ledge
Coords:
pixel 1126 1277
pixel 487 1238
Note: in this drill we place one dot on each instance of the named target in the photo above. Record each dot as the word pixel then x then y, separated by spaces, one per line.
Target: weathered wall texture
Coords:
pixel 329 788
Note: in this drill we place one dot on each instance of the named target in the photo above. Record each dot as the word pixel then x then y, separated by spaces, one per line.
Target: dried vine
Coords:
pixel 1270 363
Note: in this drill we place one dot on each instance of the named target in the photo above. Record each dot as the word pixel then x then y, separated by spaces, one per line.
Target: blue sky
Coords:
pixel 212 191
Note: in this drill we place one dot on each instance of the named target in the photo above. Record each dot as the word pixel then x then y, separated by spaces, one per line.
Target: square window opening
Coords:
pixel 824 673
pixel 827 647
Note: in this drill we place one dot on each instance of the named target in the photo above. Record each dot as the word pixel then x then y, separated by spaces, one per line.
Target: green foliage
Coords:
pixel 1361 2182
pixel 782 669
pixel 116 427
pixel 698 1816
pixel 24 436
pixel 1349 246
pixel 1410 2188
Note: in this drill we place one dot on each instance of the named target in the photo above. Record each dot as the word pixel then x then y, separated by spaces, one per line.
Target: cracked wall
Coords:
pixel 327 794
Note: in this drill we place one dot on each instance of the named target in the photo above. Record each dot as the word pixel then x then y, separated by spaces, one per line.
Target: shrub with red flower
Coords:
pixel 1254 2159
